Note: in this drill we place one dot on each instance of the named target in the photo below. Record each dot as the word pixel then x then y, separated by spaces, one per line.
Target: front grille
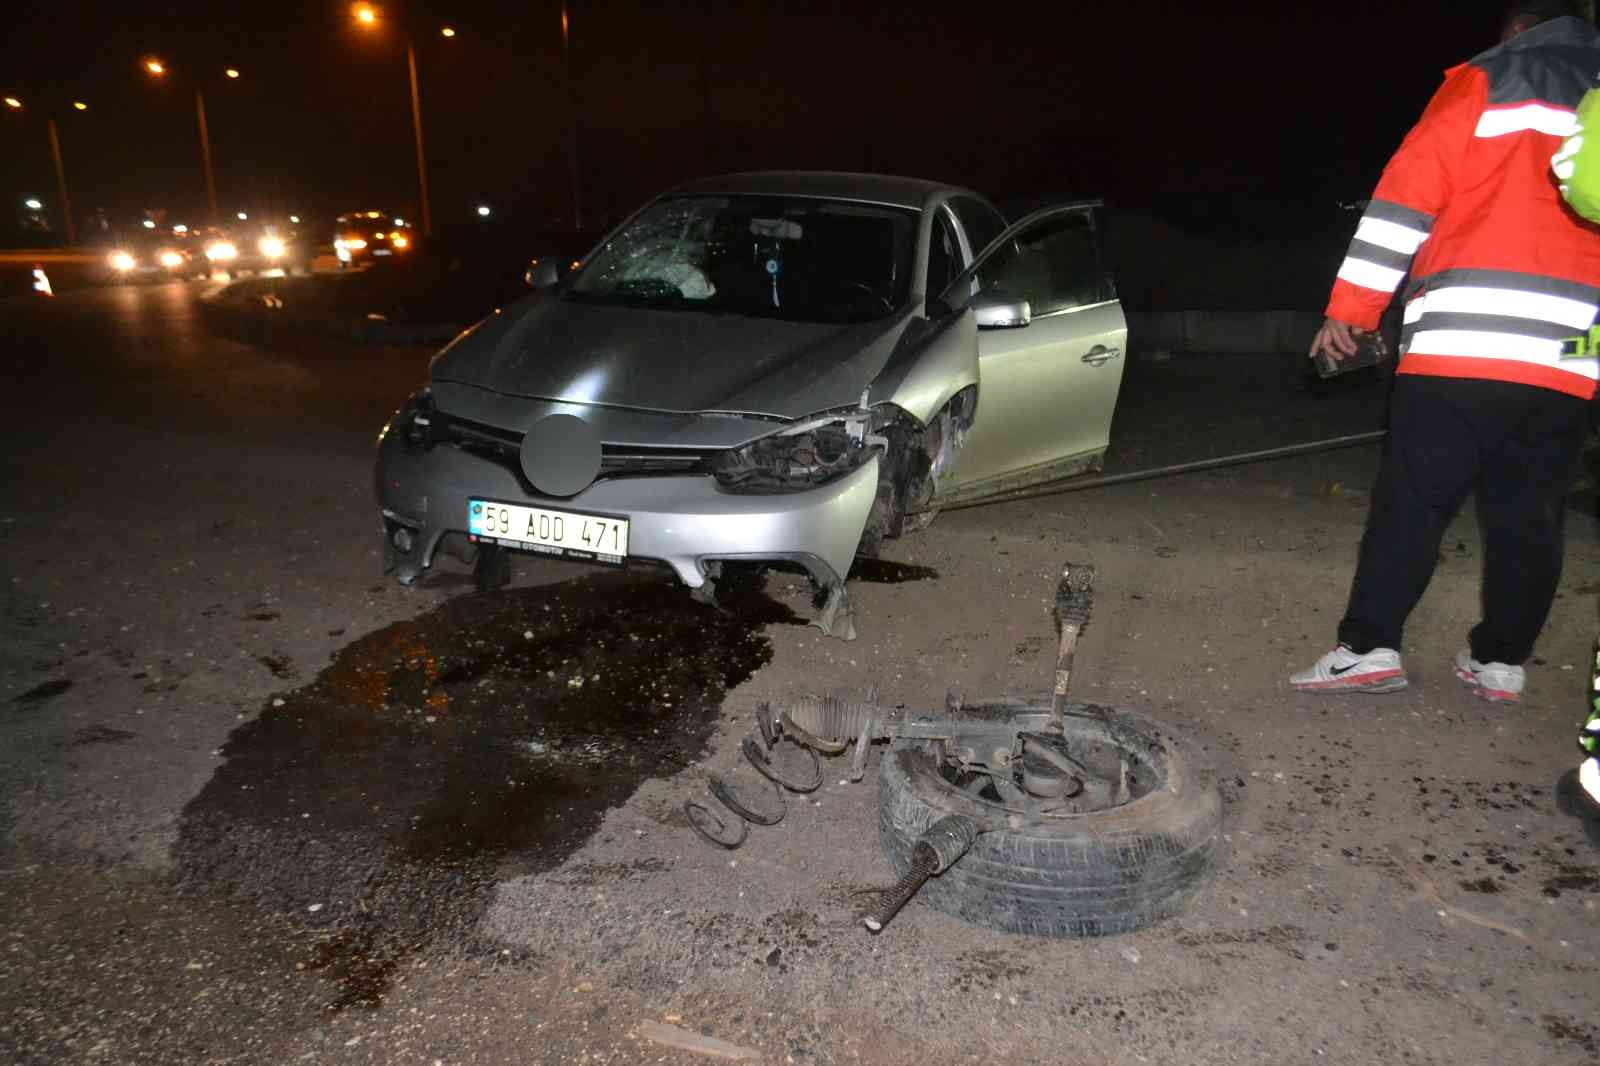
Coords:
pixel 631 461
pixel 500 447
pixel 504 447
pixel 475 436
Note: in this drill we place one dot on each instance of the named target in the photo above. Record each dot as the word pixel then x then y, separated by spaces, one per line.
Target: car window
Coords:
pixel 1053 264
pixel 944 254
pixel 981 223
pixel 800 259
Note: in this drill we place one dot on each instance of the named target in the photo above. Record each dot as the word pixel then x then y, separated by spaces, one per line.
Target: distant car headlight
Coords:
pixel 803 456
pixel 122 261
pixel 221 251
pixel 354 244
pixel 272 247
pixel 171 260
pixel 399 241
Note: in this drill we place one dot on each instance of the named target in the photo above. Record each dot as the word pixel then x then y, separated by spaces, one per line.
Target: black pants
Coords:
pixel 1518 447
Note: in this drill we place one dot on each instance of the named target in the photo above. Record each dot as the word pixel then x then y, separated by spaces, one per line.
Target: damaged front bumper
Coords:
pixel 687 521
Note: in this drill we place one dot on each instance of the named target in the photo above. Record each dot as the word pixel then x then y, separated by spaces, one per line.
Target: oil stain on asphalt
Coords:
pixel 886 572
pixel 437 756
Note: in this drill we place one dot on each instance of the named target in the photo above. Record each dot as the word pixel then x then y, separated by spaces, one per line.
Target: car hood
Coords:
pixel 547 348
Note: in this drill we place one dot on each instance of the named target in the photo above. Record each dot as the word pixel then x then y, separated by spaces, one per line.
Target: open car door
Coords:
pixel 1051 336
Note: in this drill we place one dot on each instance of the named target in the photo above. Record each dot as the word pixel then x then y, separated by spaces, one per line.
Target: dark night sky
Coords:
pixel 1191 111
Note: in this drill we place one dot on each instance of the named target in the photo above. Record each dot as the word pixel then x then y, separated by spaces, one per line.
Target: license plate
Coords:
pixel 382 251
pixel 570 534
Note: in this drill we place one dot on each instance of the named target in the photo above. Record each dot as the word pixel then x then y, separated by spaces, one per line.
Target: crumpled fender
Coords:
pixel 934 360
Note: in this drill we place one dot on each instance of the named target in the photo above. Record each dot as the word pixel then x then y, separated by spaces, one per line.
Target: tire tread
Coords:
pixel 1078 878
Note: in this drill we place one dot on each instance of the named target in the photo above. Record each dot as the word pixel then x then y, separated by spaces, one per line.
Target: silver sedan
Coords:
pixel 782 366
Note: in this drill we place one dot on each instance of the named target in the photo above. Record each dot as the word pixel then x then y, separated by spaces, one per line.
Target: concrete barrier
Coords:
pixel 1210 332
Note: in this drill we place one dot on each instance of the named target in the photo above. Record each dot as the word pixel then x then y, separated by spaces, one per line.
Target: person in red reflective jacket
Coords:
pixel 1490 394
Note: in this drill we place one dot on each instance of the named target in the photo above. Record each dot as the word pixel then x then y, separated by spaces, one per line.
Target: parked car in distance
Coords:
pixel 781 367
pixel 361 236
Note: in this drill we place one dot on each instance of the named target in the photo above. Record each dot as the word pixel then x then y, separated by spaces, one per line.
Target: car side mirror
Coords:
pixel 542 273
pixel 996 309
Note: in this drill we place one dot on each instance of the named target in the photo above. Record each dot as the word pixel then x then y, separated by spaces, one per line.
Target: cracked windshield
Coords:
pixel 796 259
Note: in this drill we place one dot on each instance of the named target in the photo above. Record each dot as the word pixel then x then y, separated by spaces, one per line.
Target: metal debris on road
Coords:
pixel 1020 768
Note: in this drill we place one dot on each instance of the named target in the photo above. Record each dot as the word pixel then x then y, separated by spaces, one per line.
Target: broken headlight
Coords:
pixel 417 422
pixel 803 456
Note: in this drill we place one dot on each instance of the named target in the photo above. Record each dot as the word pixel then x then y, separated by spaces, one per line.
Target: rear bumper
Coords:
pixel 685 522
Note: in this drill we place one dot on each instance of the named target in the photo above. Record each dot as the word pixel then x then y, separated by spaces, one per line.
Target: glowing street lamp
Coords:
pixel 79 105
pixel 33 204
pixel 13 103
pixel 231 73
pixel 367 16
pixel 483 211
pixel 155 66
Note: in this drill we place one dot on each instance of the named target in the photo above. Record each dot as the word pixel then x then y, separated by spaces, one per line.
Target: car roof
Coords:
pixel 822 184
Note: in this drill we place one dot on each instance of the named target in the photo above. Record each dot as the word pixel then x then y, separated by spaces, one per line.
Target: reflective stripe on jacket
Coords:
pixel 1502 272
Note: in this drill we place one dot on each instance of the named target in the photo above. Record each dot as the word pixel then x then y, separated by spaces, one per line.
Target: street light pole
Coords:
pixel 367 16
pixel 205 157
pixel 61 182
pixel 157 69
pixel 416 124
pixel 572 112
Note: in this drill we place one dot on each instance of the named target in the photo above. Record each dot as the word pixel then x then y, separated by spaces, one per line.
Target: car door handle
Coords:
pixel 1099 355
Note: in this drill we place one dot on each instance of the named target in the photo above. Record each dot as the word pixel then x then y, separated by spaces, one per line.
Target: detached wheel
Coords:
pixel 1075 875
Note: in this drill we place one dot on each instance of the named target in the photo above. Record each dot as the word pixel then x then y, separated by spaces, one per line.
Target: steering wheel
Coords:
pixel 874 294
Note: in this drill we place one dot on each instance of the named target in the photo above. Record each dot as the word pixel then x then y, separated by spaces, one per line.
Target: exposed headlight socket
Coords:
pixel 421 421
pixel 800 457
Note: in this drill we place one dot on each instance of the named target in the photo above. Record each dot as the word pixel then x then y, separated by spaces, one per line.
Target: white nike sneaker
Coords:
pixel 1495 682
pixel 1342 670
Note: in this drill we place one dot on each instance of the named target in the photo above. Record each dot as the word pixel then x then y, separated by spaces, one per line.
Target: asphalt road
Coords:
pixel 259 804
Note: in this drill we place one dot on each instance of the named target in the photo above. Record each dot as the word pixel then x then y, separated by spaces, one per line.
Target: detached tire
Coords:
pixel 1077 875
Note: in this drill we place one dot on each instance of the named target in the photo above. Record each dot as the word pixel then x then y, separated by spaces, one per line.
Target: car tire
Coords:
pixel 1093 874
